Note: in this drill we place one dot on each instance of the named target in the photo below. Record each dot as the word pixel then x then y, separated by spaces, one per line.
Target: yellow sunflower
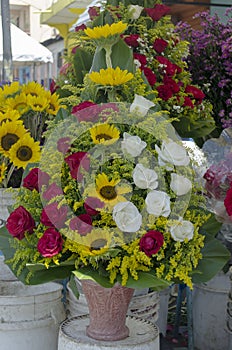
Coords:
pixel 106 30
pixel 53 103
pixel 9 115
pixel 32 88
pixel 11 89
pixel 108 191
pixel 97 242
pixel 25 151
pixel 111 76
pixel 18 103
pixel 3 169
pixel 104 133
pixel 10 133
pixel 37 103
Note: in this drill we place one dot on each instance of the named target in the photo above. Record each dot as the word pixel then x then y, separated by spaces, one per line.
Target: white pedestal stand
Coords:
pixel 143 336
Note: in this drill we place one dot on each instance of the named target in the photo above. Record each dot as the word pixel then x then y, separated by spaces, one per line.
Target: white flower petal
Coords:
pixel 172 152
pixel 180 184
pixel 158 203
pixel 145 178
pixel 141 104
pixel 127 217
pixel 132 145
pixel 182 230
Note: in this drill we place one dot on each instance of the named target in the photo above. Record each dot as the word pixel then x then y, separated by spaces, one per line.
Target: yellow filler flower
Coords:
pixel 111 76
pixel 3 169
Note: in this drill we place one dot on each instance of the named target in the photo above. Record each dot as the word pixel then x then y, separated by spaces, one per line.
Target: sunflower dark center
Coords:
pixel 98 244
pixel 106 137
pixel 24 153
pixel 52 107
pixel 8 141
pixel 38 105
pixel 108 192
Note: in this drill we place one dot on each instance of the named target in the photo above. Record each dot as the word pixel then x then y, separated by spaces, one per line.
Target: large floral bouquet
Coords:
pixel 162 74
pixel 24 110
pixel 210 62
pixel 114 201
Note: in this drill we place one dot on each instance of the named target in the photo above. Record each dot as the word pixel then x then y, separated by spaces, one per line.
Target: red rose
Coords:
pixel 88 115
pixel 53 87
pixel 172 85
pixel 132 40
pixel 151 77
pixel 151 242
pixel 141 58
pixel 53 216
pixel 164 92
pixel 82 224
pixel 80 27
pixel 50 243
pixel 35 179
pixel 160 45
pixel 52 191
pixel 168 68
pixel 197 93
pixel 188 102
pixel 93 11
pixel 76 161
pixel 19 222
pixel 92 204
pixel 63 144
pixel 64 69
pixel 228 202
pixel 157 12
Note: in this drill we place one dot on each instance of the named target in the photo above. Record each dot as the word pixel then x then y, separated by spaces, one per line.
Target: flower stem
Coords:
pixel 108 50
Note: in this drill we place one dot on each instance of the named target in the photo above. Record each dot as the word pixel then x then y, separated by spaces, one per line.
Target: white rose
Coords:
pixel 144 177
pixel 182 230
pixel 135 11
pixel 172 152
pixel 180 184
pixel 141 104
pixel 133 144
pixel 127 217
pixel 158 203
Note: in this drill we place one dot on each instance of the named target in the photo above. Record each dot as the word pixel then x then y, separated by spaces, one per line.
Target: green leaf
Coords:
pixel 82 64
pixel 61 115
pixel 73 286
pixel 86 273
pixel 211 226
pixel 122 56
pixel 215 256
pixel 147 280
pixel 99 60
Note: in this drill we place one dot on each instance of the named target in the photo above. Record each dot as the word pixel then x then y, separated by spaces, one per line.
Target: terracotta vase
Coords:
pixel 107 310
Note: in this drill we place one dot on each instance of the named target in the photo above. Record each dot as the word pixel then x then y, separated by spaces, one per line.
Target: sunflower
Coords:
pixel 18 103
pixel 3 169
pixel 10 90
pixel 9 115
pixel 53 103
pixel 104 133
pixel 106 30
pixel 32 88
pixel 111 76
pixel 10 133
pixel 37 103
pixel 95 243
pixel 108 191
pixel 25 151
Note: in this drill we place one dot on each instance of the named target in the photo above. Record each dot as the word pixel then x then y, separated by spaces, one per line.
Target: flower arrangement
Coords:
pixel 209 61
pixel 162 74
pixel 111 200
pixel 24 110
pixel 114 197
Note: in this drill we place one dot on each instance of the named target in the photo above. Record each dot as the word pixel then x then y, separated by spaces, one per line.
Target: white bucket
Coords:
pixel 209 314
pixel 6 199
pixel 30 316
pixel 162 320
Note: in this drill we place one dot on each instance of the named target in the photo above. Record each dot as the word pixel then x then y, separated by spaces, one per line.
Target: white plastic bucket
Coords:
pixel 209 314
pixel 6 199
pixel 30 316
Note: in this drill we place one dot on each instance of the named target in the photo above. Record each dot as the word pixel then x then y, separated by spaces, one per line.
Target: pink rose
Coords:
pixel 93 11
pixel 82 224
pixel 157 12
pixel 88 115
pixel 80 27
pixel 19 222
pixel 151 242
pixel 64 69
pixel 63 144
pixel 53 216
pixel 35 179
pixel 228 201
pixel 160 45
pixel 92 204
pixel 50 243
pixel 76 161
pixel 52 191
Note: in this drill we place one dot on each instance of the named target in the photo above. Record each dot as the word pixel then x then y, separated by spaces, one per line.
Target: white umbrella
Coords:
pixel 25 49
